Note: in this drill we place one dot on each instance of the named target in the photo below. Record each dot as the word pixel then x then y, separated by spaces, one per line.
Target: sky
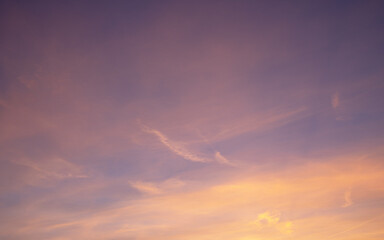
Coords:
pixel 192 120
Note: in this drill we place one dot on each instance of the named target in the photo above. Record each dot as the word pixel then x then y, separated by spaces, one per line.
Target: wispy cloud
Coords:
pixel 237 208
pixel 254 123
pixel 154 188
pixel 56 168
pixel 357 226
pixel 182 151
pixel 221 159
pixel 237 140
pixel 335 101
pixel 337 107
pixel 272 220
pixel 146 187
pixel 347 199
pixel 175 147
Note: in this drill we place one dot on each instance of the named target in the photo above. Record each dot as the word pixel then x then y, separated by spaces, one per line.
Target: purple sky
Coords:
pixel 185 120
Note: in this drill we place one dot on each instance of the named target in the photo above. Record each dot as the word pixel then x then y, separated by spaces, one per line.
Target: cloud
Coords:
pixel 146 187
pixel 335 100
pixel 234 208
pixel 357 226
pixel 157 188
pixel 266 219
pixel 252 123
pixel 56 168
pixel 221 159
pixel 75 78
pixel 175 147
pixel 180 150
pixel 348 199
pixel 272 220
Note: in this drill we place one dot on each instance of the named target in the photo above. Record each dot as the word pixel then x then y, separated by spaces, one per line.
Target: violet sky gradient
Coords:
pixel 192 120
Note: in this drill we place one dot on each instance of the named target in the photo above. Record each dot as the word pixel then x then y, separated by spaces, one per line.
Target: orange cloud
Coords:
pixel 304 201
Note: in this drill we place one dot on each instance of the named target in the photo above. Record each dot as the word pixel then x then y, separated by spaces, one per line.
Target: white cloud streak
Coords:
pixel 178 149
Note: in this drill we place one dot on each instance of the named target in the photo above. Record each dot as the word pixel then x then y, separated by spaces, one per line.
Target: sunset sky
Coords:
pixel 192 120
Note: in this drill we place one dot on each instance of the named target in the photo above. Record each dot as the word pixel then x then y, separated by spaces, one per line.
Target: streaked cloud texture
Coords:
pixel 185 120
